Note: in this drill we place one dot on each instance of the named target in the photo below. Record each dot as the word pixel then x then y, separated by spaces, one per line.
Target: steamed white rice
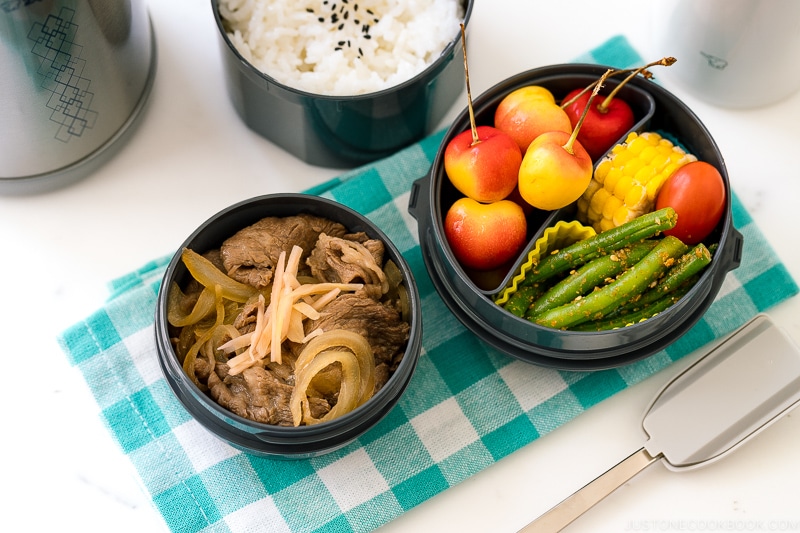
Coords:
pixel 341 47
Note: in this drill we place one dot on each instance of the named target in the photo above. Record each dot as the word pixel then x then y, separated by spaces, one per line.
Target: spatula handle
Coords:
pixel 584 499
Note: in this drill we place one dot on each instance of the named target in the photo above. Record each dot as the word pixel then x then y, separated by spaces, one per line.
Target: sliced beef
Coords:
pixel 344 260
pixel 250 255
pixel 259 395
pixel 381 325
pixel 374 246
pixel 245 321
pixel 215 256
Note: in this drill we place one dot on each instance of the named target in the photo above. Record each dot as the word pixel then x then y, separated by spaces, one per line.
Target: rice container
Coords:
pixel 260 438
pixel 656 110
pixel 342 131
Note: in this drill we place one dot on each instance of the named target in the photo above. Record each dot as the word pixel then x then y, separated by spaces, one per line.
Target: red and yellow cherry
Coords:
pixel 609 118
pixel 527 112
pixel 607 121
pixel 485 236
pixel 483 163
pixel 555 171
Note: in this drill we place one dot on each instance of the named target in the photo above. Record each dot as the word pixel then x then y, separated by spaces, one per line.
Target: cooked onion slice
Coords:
pixel 209 275
pixel 348 391
pixel 202 307
pixel 191 355
pixel 308 365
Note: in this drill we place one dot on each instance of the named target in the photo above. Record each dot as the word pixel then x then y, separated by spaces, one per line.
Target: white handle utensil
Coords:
pixel 723 400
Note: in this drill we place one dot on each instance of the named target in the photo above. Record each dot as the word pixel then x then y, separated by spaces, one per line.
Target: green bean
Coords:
pixel 635 317
pixel 635 280
pixel 685 268
pixel 591 275
pixel 640 228
pixel 519 302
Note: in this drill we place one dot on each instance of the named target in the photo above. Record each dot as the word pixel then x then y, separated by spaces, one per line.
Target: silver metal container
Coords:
pixel 74 77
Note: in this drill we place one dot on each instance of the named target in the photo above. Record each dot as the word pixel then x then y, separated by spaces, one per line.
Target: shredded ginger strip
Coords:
pixel 289 305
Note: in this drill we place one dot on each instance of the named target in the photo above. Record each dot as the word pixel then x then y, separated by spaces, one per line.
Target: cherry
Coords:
pixel 610 118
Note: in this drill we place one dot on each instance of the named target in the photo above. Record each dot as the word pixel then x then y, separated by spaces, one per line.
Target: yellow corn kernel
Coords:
pixel 635 196
pixel 645 174
pixel 598 200
pixel 588 194
pixel 610 207
pixel 582 204
pixel 622 186
pixel 601 171
pixel 606 224
pixel 613 176
pixel 620 216
pixel 627 181
pixel 637 144
pixel 633 166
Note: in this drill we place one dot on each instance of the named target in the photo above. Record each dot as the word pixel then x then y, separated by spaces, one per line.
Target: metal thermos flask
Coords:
pixel 74 78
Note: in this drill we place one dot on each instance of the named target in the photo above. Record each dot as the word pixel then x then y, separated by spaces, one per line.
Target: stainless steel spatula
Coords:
pixel 724 399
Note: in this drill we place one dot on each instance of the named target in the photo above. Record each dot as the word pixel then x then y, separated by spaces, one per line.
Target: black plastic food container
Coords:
pixel 474 306
pixel 264 439
pixel 343 131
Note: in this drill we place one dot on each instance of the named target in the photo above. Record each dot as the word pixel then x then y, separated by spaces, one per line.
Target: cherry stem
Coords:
pixel 472 125
pixel 576 129
pixel 664 61
pixel 567 103
pixel 641 70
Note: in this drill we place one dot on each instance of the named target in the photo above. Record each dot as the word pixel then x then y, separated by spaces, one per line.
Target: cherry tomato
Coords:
pixel 696 192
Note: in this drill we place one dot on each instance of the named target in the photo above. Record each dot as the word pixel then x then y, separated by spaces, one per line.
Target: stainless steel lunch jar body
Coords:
pixel 74 75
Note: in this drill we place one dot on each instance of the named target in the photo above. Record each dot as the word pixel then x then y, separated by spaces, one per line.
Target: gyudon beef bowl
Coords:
pixel 288 325
pixel 339 84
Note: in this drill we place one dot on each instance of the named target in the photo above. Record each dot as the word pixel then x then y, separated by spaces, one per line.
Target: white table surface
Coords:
pixel 191 156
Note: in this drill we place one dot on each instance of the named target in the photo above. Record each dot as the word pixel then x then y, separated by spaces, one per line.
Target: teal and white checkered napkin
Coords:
pixel 439 434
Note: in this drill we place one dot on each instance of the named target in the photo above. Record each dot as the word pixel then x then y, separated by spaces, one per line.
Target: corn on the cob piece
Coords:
pixel 627 181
